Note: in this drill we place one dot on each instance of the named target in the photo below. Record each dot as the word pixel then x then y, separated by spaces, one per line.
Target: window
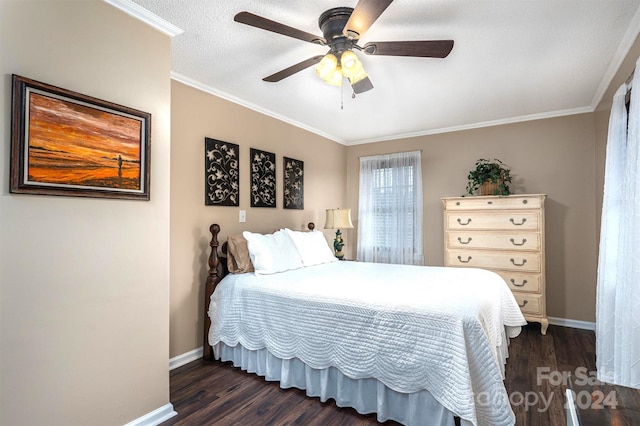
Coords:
pixel 390 209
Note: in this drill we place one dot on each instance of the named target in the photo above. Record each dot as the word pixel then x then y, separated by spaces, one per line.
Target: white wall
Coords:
pixel 84 283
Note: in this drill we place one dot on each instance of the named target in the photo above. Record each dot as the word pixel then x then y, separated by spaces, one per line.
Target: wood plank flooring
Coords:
pixel 215 393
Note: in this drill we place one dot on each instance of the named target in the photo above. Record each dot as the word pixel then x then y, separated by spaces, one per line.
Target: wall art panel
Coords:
pixel 221 173
pixel 263 178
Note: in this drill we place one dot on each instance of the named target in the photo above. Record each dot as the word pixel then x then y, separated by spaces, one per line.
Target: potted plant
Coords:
pixel 491 177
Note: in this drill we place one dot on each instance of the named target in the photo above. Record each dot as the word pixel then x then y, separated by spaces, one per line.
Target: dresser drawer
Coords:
pixel 522 281
pixel 494 202
pixel 494 240
pixel 512 261
pixel 503 220
pixel 529 303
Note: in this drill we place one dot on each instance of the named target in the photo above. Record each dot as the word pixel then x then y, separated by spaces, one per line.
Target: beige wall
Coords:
pixel 553 156
pixel 196 115
pixel 84 283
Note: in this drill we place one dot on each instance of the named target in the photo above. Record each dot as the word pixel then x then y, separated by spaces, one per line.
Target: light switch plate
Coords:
pixel 242 216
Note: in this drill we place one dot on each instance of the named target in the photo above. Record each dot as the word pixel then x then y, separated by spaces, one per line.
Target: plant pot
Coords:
pixel 490 188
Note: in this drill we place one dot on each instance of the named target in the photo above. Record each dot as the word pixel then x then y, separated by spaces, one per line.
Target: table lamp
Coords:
pixel 337 219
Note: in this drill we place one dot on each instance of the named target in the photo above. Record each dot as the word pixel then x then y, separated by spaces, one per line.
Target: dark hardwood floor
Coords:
pixel 537 374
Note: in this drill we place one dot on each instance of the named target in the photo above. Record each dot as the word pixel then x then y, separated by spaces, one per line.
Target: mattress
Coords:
pixel 412 328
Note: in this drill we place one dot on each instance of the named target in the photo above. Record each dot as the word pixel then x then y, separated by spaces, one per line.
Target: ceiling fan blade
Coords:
pixel 276 27
pixel 423 49
pixel 273 78
pixel 362 85
pixel 364 15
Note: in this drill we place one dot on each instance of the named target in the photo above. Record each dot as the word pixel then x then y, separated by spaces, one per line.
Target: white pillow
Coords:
pixel 272 253
pixel 312 246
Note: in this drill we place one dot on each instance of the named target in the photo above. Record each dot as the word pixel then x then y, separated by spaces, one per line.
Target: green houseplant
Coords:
pixel 490 176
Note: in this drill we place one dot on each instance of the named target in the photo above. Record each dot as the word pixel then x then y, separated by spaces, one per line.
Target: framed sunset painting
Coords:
pixel 66 143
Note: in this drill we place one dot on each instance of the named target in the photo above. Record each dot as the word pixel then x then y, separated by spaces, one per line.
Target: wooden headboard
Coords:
pixel 217 271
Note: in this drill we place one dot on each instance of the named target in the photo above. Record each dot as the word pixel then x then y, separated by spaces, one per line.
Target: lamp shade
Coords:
pixel 327 65
pixel 348 60
pixel 338 219
pixel 351 65
pixel 334 77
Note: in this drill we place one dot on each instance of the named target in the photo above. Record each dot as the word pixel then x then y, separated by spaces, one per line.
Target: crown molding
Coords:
pixel 623 49
pixel 208 89
pixel 139 12
pixel 511 120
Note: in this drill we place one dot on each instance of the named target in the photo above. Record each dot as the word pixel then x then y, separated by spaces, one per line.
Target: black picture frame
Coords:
pixel 69 144
pixel 293 188
pixel 221 173
pixel 263 178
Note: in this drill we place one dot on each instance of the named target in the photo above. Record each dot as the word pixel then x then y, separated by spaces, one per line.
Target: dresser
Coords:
pixel 504 234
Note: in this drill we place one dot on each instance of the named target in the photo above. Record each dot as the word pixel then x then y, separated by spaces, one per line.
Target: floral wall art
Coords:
pixel 222 171
pixel 293 197
pixel 263 178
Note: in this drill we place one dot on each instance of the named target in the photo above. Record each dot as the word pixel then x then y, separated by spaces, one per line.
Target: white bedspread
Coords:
pixel 411 327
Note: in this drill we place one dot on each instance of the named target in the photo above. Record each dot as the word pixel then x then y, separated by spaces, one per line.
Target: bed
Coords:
pixel 415 344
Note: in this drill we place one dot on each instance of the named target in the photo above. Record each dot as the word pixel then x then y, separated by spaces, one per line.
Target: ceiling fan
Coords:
pixel 342 27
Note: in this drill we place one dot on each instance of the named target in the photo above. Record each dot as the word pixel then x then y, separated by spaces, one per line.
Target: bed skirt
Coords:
pixel 364 395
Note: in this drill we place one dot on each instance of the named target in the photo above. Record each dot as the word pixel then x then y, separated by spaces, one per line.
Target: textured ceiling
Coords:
pixel 512 60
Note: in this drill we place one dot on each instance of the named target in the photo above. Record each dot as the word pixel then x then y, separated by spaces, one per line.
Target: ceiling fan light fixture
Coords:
pixel 335 77
pixel 351 66
pixel 348 59
pixel 327 66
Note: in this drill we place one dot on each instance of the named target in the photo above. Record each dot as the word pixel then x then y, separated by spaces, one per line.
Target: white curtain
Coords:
pixel 390 209
pixel 618 289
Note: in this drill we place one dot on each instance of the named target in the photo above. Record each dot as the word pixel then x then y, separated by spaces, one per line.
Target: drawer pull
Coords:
pixel 513 282
pixel 524 219
pixel 464 242
pixel 489 202
pixel 464 261
pixel 523 303
pixel 524 240
pixel 519 264
pixel 463 224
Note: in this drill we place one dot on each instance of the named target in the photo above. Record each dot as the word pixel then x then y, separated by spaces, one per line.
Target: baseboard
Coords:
pixel 155 417
pixel 185 358
pixel 564 322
